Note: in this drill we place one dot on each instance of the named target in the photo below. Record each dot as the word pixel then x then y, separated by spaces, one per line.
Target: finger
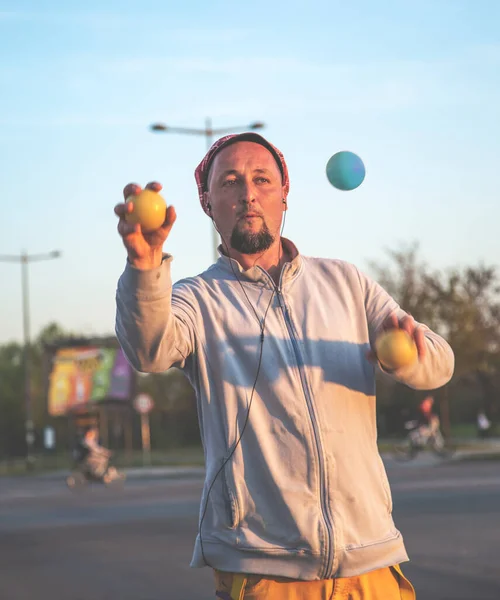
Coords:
pixel 123 209
pixel 170 217
pixel 419 337
pixel 126 229
pixel 157 238
pixel 154 185
pixel 131 189
pixel 408 324
pixel 371 357
pixel 392 322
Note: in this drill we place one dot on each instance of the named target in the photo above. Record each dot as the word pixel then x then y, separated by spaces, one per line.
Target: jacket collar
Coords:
pixel 258 274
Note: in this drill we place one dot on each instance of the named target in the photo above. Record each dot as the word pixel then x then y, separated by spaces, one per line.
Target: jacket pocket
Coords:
pixel 229 496
pixel 385 484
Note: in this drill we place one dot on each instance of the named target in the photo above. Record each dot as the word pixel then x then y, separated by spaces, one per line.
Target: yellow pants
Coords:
pixel 382 584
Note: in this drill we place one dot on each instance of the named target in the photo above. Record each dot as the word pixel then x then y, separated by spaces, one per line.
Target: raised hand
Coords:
pixel 144 249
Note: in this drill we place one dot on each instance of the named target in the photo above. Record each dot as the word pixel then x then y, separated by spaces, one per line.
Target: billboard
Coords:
pixel 82 375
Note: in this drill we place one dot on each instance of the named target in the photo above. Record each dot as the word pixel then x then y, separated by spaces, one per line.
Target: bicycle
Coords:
pixel 81 477
pixel 421 438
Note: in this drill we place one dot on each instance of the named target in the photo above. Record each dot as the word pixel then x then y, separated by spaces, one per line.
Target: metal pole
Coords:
pixel 209 138
pixel 146 439
pixel 30 438
pixel 24 258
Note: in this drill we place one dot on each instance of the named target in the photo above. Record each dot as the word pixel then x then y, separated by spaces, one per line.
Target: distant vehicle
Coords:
pixel 80 477
pixel 91 462
pixel 422 437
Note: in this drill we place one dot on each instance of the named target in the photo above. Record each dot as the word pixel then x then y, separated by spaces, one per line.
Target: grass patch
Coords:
pixel 193 457
pixel 185 457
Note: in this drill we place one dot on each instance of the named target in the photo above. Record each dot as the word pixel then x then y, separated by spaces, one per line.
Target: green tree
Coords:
pixel 12 390
pixel 468 309
pixel 461 304
pixel 406 278
pixel 12 409
pixel 174 421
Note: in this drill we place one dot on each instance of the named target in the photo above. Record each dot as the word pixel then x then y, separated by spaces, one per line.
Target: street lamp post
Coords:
pixel 209 133
pixel 25 259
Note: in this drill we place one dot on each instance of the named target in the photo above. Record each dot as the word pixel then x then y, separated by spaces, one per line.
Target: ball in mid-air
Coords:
pixel 345 170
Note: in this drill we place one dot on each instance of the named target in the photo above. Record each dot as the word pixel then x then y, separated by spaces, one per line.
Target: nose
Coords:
pixel 248 193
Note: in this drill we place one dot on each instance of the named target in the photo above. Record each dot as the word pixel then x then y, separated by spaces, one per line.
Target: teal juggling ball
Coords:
pixel 345 170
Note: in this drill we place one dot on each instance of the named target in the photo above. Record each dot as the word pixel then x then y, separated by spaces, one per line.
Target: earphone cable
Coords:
pixel 261 337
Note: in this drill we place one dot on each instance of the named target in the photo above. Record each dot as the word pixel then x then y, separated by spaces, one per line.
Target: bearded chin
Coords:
pixel 251 243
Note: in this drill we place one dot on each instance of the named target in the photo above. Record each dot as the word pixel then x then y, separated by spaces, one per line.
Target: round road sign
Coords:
pixel 143 403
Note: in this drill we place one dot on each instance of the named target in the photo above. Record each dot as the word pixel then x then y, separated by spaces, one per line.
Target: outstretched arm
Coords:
pixel 435 364
pixel 151 335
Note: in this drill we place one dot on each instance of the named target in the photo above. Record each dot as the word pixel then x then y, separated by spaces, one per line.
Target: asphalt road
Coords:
pixel 136 544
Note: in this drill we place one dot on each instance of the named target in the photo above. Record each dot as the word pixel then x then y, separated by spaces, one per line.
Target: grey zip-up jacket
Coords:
pixel 305 494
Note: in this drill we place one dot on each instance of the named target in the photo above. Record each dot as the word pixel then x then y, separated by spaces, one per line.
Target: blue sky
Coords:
pixel 412 87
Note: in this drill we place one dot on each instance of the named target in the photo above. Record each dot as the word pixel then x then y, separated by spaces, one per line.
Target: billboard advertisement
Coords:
pixel 87 374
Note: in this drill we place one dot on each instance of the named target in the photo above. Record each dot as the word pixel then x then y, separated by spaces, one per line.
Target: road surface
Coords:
pixel 137 544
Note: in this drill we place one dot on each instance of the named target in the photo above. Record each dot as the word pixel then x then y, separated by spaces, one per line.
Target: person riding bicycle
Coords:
pixel 428 424
pixel 95 459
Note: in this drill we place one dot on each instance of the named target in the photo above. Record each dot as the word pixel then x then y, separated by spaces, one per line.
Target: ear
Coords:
pixel 285 204
pixel 283 195
pixel 206 200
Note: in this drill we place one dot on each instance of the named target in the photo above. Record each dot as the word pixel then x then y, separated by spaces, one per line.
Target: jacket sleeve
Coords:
pixel 435 369
pixel 154 332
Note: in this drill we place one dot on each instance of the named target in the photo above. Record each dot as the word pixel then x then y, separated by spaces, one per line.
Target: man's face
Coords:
pixel 246 195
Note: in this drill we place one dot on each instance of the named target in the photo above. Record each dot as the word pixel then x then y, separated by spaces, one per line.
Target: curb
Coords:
pixel 461 456
pixel 487 450
pixel 138 473
pixel 165 472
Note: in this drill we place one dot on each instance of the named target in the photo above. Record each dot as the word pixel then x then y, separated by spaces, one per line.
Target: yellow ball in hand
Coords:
pixel 149 210
pixel 396 349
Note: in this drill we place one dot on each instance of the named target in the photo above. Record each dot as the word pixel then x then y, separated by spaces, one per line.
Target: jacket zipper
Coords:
pixel 327 571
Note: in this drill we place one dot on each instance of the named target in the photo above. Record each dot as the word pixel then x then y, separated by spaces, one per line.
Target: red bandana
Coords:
pixel 201 172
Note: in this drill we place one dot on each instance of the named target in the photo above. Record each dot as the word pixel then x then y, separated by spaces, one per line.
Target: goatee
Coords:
pixel 252 243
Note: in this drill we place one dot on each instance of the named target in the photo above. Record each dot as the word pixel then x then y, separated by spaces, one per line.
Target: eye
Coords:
pixel 262 180
pixel 228 182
